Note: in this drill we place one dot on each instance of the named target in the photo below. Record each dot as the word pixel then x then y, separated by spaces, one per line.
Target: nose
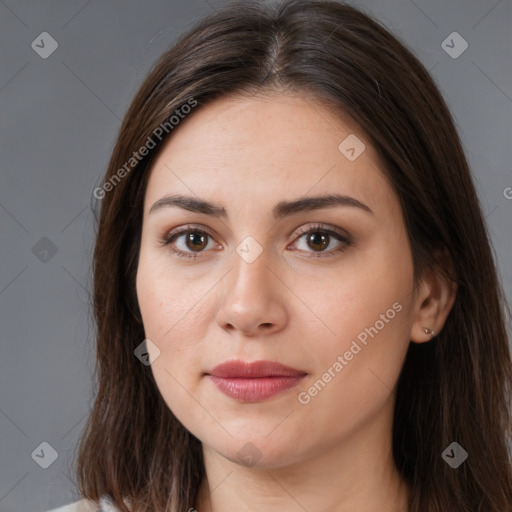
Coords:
pixel 252 298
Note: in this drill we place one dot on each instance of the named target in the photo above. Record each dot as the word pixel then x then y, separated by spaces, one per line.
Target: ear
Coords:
pixel 434 300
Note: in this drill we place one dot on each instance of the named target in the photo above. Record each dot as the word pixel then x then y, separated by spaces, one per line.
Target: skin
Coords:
pixel 248 153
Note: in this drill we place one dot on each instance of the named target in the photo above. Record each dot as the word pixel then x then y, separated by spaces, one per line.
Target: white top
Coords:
pixel 88 506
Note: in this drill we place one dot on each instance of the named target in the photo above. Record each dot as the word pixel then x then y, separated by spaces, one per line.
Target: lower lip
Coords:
pixel 256 389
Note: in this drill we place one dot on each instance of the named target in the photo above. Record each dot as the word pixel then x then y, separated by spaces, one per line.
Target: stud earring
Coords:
pixel 428 331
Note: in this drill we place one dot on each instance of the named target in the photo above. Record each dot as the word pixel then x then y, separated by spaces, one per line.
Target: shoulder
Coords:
pixel 78 506
pixel 105 505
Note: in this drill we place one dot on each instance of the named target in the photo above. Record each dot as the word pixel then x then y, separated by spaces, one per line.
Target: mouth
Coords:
pixel 254 381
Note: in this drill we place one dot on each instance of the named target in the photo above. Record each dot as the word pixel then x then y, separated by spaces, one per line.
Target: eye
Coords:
pixel 191 242
pixel 319 238
pixel 188 241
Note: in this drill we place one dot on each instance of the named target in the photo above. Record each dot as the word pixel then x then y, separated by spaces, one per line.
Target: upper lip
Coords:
pixel 255 369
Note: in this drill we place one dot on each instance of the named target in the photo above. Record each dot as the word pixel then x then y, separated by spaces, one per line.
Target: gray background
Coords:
pixel 59 120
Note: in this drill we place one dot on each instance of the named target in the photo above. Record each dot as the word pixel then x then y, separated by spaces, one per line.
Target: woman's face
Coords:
pixel 336 305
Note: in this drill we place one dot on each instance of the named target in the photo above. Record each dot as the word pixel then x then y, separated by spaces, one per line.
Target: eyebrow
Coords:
pixel 282 209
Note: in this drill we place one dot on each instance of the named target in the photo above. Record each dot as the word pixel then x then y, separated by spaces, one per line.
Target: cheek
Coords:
pixel 353 377
pixel 167 299
pixel 175 320
pixel 356 296
pixel 367 338
pixel 357 363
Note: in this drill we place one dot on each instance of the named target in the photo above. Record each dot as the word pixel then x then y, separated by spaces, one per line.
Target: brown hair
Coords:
pixel 454 388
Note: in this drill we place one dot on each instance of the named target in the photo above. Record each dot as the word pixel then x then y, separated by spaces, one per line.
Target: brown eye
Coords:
pixel 189 242
pixel 196 240
pixel 321 241
pixel 318 240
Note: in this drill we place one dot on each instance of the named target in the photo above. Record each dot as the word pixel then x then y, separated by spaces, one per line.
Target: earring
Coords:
pixel 428 331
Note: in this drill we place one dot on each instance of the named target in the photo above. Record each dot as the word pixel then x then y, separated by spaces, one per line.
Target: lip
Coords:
pixel 256 369
pixel 254 381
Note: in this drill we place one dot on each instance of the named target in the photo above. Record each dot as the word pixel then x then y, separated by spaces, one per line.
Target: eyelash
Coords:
pixel 168 239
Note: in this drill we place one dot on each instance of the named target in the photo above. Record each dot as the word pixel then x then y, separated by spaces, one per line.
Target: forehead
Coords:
pixel 263 146
pixel 280 122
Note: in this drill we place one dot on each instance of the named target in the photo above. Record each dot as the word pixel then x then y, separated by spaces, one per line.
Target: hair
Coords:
pixel 454 388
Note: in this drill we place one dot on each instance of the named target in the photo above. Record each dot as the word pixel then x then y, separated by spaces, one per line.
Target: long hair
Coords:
pixel 456 388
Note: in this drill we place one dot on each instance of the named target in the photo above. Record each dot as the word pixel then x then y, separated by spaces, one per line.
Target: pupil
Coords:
pixel 194 241
pixel 318 239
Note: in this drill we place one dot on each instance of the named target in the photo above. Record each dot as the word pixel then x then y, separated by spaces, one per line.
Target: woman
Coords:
pixel 296 300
